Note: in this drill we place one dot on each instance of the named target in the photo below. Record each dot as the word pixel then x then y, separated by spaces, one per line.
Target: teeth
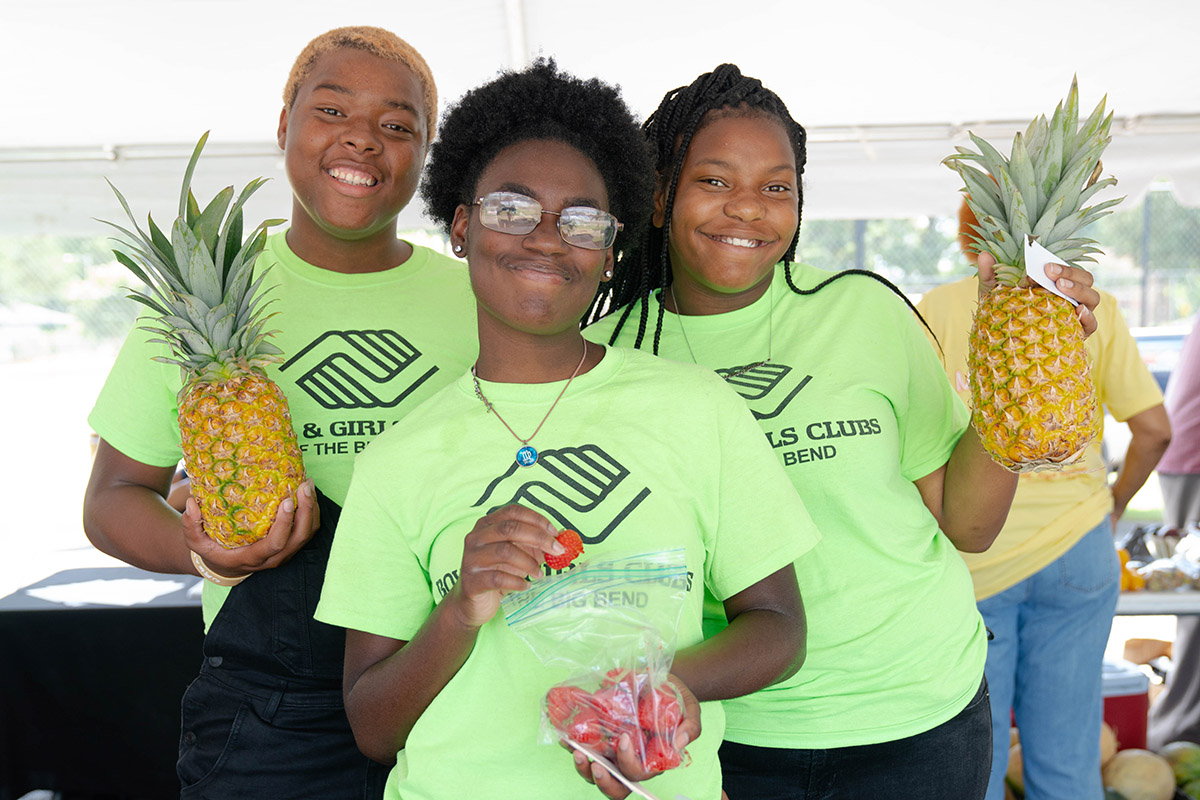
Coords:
pixel 738 242
pixel 353 178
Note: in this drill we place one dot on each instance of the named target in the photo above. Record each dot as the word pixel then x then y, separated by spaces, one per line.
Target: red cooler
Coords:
pixel 1126 702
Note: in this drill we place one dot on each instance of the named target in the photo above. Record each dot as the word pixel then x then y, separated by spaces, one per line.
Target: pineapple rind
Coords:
pixel 1032 400
pixel 236 433
pixel 239 433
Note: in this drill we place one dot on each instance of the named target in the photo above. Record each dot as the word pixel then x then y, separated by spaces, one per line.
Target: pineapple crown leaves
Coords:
pixel 199 280
pixel 1040 189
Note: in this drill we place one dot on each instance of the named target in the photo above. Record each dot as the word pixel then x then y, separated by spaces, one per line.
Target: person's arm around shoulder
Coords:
pixel 126 515
pixel 1150 433
pixel 971 494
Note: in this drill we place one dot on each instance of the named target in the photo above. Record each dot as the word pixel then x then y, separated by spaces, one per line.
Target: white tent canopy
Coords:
pixel 122 89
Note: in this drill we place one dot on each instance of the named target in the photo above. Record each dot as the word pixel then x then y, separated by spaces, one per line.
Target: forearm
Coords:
pixel 137 526
pixel 757 649
pixel 1140 459
pixel 130 519
pixel 386 700
pixel 976 496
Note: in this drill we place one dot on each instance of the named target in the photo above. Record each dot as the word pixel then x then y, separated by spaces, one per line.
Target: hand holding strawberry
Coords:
pixel 573 546
pixel 499 554
pixel 626 717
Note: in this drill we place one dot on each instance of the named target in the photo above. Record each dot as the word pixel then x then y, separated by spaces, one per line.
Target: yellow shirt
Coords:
pixel 1051 510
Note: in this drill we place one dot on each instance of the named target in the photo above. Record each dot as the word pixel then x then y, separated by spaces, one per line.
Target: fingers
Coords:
pixel 1076 283
pixel 986 265
pixel 520 528
pixel 629 761
pixel 500 554
pixel 986 269
pixel 296 520
pixel 599 776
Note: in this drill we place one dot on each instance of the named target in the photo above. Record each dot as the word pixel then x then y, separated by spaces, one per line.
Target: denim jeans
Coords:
pixel 949 762
pixel 1045 664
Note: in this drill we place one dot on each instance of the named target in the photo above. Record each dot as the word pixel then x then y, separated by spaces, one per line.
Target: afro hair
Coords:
pixel 540 102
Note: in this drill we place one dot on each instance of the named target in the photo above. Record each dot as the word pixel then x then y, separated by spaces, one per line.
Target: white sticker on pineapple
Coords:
pixel 1036 259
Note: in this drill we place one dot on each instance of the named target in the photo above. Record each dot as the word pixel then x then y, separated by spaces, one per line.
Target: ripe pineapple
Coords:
pixel 1034 403
pixel 238 442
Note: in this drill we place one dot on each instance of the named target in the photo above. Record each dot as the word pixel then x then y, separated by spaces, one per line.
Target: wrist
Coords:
pixel 211 575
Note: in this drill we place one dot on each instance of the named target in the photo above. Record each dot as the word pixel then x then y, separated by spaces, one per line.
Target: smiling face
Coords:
pixel 354 142
pixel 735 213
pixel 533 283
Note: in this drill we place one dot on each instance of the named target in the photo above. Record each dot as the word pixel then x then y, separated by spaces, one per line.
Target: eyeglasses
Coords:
pixel 516 214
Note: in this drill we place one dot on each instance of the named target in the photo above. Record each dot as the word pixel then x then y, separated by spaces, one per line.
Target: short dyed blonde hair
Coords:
pixel 377 42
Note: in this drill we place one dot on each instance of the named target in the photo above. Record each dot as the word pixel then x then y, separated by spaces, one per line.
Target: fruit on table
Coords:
pixel 574 545
pixel 1108 743
pixel 235 428
pixel 1131 579
pixel 1184 758
pixel 1140 775
pixel 1014 779
pixel 1033 400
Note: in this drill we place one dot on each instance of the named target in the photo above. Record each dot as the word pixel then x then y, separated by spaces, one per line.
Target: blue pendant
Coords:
pixel 527 456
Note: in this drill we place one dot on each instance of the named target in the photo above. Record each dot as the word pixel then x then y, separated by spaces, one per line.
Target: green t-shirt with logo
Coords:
pixel 640 454
pixel 856 406
pixel 360 351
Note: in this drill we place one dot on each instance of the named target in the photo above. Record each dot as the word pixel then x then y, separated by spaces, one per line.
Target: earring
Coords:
pixel 458 248
pixel 607 274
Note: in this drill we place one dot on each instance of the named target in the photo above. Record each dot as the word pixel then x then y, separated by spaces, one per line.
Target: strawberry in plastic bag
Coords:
pixel 627 701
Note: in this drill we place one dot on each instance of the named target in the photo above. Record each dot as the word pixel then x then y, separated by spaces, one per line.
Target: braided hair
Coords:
pixel 645 265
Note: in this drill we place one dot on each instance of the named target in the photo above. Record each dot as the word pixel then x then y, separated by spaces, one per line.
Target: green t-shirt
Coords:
pixel 360 352
pixel 689 470
pixel 856 406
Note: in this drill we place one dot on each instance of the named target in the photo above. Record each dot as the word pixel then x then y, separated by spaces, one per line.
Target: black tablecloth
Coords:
pixel 90 699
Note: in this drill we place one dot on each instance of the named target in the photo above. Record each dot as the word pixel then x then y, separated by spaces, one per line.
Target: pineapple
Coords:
pixel 237 437
pixel 1033 401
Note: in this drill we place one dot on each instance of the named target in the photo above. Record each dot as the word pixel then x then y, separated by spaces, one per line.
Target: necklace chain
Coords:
pixel 525 442
pixel 770 333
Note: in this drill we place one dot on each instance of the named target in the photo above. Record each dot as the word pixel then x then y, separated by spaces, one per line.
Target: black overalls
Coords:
pixel 264 719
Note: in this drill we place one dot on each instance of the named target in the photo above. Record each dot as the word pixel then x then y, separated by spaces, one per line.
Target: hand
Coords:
pixel 1075 282
pixel 296 520
pixel 503 549
pixel 627 760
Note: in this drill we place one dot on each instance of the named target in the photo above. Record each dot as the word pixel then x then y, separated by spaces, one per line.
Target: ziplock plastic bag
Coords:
pixel 611 623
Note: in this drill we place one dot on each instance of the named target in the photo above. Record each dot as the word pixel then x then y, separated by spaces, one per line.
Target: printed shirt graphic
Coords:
pixel 360 352
pixel 688 470
pixel 1052 510
pixel 856 407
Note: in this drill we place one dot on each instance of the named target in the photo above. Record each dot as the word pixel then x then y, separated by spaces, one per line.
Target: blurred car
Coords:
pixel 1160 348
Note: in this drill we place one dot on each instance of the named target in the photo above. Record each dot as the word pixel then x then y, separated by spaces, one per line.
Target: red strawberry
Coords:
pixel 586 728
pixel 574 545
pixel 562 702
pixel 616 706
pixel 659 712
pixel 661 755
pixel 613 677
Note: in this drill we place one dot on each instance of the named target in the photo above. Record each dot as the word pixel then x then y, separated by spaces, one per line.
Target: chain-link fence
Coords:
pixel 1151 262
pixel 59 293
